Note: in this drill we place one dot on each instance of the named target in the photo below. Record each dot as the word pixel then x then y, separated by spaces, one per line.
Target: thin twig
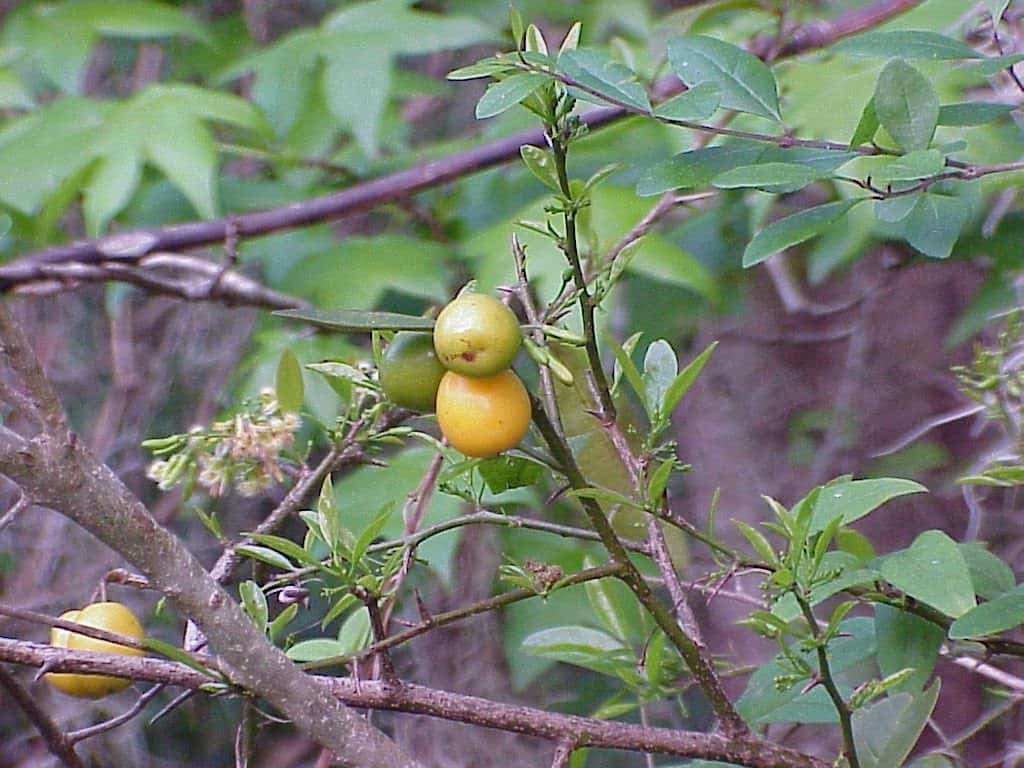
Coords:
pixel 19 506
pixel 94 730
pixel 56 741
pixel 21 359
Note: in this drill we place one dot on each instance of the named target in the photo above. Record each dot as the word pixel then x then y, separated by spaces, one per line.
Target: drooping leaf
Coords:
pixel 919 164
pixel 933 571
pixel 907 44
pixel 991 618
pixel 906 641
pixel 990 575
pixel 794 229
pixel 906 105
pixel 867 126
pixel 254 602
pixel 933 225
pixel 886 731
pixel 745 83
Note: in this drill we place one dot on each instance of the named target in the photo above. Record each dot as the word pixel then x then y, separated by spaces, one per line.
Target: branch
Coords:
pixel 131 246
pixel 416 699
pixel 56 741
pixel 57 471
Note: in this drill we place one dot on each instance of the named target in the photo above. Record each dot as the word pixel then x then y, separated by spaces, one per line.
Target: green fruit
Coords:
pixel 410 372
pixel 476 335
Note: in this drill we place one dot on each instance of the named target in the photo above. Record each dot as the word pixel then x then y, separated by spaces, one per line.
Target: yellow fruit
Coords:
pixel 410 372
pixel 483 416
pixel 113 617
pixel 477 335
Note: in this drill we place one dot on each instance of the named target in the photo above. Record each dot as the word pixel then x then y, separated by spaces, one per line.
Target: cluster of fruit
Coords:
pixel 462 373
pixel 112 617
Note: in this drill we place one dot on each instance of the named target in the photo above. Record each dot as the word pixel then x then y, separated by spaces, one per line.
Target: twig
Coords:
pixel 826 679
pixel 415 699
pixel 21 359
pixel 563 753
pixel 458 614
pixel 19 506
pixel 56 741
pixel 140 703
pixel 693 655
pixel 534 317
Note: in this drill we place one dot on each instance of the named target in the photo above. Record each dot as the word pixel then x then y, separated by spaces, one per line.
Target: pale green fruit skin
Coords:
pixel 410 372
pixel 476 335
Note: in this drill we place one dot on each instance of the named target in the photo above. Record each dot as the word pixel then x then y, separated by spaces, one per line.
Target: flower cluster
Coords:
pixel 243 452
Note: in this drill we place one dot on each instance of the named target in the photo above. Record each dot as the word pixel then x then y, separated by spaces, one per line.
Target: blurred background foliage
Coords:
pixel 117 114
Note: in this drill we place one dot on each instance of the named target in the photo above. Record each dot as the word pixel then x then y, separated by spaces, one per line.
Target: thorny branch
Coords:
pixel 416 699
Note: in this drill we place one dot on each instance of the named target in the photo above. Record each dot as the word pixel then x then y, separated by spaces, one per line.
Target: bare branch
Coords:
pixel 41 398
pixel 108 725
pixel 56 741
pixel 416 699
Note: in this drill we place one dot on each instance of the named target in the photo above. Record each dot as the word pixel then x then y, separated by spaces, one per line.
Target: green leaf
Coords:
pixel 356 321
pixel 853 499
pixel 266 555
pixel 315 650
pixel 254 602
pixel 598 72
pixel 282 620
pixel 356 83
pixel 355 631
pixel 13 94
pixel 506 473
pixel 682 383
pixel 906 641
pixel 541 164
pixel 506 93
pixel 795 229
pixel 759 542
pixel 894 209
pixel 933 571
pixel 990 575
pixel 767 174
pixel 999 615
pixel 614 605
pixel 488 67
pixel 919 164
pixel 371 532
pixel 660 368
pixel 286 547
pixel 659 479
pixel 885 732
pixel 174 653
pixel 991 66
pixel 628 367
pixel 694 104
pixel 745 83
pixel 907 105
pixel 907 44
pixel 867 126
pixel 580 646
pixel 973 113
pixel 289 387
pixel 934 224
